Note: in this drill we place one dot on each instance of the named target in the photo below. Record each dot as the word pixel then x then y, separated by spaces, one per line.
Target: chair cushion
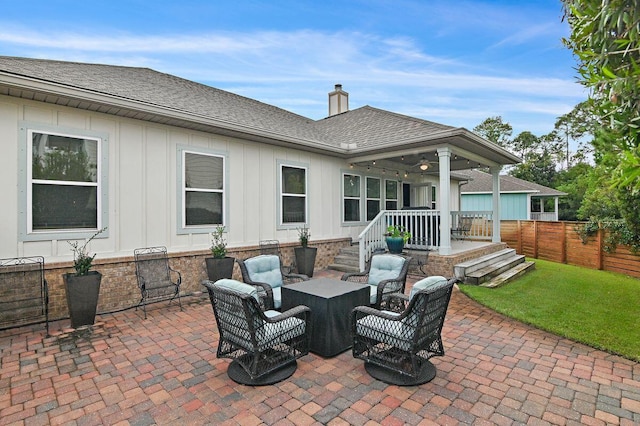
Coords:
pixel 238 287
pixel 390 332
pixel 385 267
pixel 429 283
pixel 265 269
pixel 373 293
pixel 277 297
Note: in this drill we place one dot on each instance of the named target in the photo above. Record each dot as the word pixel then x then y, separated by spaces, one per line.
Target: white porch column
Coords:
pixel 444 162
pixel 495 174
pixel 556 202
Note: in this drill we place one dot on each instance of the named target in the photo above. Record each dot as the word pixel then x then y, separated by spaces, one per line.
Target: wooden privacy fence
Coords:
pixel 559 242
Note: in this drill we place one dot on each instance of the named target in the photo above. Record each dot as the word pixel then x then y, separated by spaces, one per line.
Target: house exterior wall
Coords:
pixel 143 194
pixel 512 206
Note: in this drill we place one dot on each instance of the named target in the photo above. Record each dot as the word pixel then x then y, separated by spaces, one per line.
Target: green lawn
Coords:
pixel 598 308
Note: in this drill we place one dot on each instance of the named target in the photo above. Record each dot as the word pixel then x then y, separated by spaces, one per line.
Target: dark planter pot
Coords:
pixel 218 269
pixel 305 259
pixel 82 297
pixel 395 245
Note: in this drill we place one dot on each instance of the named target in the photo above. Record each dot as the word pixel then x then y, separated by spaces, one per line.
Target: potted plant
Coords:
pixel 305 256
pixel 220 265
pixel 82 287
pixel 397 237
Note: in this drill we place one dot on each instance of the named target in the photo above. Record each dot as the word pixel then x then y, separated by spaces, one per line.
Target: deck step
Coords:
pixel 492 270
pixel 465 268
pixel 347 259
pixel 509 275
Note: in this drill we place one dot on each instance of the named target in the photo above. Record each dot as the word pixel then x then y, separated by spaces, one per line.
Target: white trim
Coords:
pixel 182 227
pixel 280 194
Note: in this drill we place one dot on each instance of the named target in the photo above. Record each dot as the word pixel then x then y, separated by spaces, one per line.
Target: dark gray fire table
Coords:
pixel 331 302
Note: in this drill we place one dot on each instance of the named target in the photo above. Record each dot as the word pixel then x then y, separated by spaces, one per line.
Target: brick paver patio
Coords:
pixel 130 371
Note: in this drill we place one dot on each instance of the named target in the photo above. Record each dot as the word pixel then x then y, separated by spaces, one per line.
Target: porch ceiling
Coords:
pixel 467 151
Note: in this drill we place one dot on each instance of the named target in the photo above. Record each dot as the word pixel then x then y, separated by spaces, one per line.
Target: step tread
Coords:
pixel 487 270
pixel 509 275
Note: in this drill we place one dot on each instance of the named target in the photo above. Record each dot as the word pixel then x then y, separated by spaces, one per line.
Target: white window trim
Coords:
pixel 397 199
pixel 361 220
pixel 25 218
pixel 182 227
pixel 281 194
pixel 367 198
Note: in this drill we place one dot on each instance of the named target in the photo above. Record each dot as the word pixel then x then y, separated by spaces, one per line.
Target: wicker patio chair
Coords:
pixel 386 274
pixel 265 273
pixel 157 281
pixel 24 294
pixel 263 345
pixel 396 347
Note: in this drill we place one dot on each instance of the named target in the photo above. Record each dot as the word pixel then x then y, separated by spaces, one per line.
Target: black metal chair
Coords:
pixel 156 279
pixel 265 273
pixel 24 293
pixel 263 345
pixel 462 231
pixel 385 273
pixel 396 347
pixel 273 247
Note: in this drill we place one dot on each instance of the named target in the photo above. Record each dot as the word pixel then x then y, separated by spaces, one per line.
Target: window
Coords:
pixel 203 188
pixel 293 193
pixel 433 197
pixel 373 198
pixel 391 194
pixel 64 186
pixel 351 194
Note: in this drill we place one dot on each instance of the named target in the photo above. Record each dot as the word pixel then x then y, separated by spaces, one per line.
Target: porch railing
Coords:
pixel 424 226
pixel 544 216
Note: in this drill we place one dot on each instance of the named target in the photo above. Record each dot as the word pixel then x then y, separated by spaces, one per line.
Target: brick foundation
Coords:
pixel 443 265
pixel 119 288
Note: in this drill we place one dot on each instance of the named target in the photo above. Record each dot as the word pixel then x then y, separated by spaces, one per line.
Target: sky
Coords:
pixel 452 62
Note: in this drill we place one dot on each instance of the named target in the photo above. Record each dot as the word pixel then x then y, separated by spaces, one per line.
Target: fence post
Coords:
pixel 535 239
pixel 599 240
pixel 563 254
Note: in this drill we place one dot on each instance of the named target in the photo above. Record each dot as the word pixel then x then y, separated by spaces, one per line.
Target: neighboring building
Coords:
pixel 519 199
pixel 160 160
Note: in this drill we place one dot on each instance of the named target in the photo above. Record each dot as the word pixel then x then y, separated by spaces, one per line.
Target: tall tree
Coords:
pixel 495 130
pixel 577 126
pixel 605 37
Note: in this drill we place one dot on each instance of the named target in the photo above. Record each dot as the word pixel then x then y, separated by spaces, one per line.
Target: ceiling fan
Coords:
pixel 423 164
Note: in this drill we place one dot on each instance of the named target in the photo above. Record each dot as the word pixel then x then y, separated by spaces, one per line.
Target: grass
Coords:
pixel 598 308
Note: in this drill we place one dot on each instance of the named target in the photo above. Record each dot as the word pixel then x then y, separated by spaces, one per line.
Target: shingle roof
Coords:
pixel 145 94
pixel 483 182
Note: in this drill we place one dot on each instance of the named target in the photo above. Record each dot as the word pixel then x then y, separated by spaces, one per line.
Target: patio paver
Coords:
pixel 164 370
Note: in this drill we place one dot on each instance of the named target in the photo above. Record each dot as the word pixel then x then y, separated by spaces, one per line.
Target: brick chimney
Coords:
pixel 338 101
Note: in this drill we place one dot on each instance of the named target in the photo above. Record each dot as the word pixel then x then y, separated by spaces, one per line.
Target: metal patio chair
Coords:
pixel 396 347
pixel 157 281
pixel 462 231
pixel 263 345
pixel 273 247
pixel 24 293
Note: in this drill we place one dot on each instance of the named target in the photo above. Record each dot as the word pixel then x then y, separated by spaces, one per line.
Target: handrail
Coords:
pixel 424 226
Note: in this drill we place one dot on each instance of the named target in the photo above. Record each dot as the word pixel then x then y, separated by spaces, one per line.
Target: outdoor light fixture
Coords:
pixel 424 166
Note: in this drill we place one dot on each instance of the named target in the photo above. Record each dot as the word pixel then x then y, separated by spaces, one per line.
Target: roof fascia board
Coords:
pixel 49 88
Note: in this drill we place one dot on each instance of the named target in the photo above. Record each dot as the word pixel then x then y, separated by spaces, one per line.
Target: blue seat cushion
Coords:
pixel 429 284
pixel 265 269
pixel 238 287
pixel 385 267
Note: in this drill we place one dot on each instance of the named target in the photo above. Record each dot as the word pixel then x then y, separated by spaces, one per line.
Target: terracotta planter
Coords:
pixel 82 297
pixel 305 260
pixel 218 269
